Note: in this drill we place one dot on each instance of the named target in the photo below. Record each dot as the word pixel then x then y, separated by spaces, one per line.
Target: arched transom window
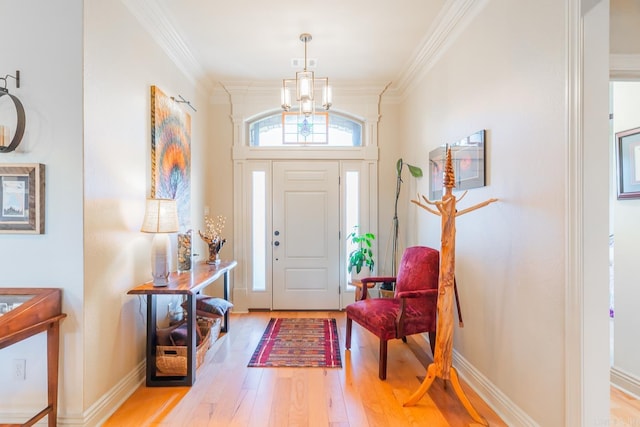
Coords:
pixel 292 128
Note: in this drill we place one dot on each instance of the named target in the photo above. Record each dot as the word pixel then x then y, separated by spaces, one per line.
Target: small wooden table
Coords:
pixel 358 284
pixel 39 310
pixel 187 283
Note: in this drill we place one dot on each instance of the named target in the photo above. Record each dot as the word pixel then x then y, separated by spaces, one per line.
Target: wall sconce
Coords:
pixel 4 130
pixel 183 101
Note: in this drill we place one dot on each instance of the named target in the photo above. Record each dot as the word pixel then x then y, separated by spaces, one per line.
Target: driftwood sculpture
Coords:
pixel 442 360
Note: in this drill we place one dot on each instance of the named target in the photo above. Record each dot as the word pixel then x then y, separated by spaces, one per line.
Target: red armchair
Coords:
pixel 411 311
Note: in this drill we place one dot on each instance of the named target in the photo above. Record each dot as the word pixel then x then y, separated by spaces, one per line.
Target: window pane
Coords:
pixel 344 132
pixel 266 131
pixel 352 213
pixel 259 231
pixel 299 129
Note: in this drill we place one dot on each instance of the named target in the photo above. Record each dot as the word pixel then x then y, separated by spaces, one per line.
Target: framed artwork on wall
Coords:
pixel 468 156
pixel 22 198
pixel 628 161
pixel 171 154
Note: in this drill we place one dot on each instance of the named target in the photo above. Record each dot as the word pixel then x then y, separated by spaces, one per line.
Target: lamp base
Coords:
pixel 160 259
pixel 160 281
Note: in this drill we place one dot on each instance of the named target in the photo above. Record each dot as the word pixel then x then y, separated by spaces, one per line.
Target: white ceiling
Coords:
pixel 372 41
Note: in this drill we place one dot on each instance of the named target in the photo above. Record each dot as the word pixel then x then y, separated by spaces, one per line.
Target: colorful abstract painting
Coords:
pixel 171 154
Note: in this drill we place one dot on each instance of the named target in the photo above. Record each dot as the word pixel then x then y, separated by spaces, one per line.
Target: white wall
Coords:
pixel 48 53
pixel 624 27
pixel 626 364
pixel 122 62
pixel 390 137
pixel 505 75
pixel 92 247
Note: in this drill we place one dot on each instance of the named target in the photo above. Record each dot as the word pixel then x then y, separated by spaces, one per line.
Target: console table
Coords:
pixel 187 283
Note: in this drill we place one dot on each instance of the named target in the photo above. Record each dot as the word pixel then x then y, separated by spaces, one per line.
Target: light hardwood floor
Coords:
pixel 228 393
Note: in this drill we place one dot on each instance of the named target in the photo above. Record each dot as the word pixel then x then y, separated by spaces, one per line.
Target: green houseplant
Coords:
pixel 362 255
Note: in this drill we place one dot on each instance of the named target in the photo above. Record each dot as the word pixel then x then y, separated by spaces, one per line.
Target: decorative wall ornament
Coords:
pixel 184 251
pixel 468 157
pixel 22 198
pixel 171 154
pixel 628 156
pixel 20 117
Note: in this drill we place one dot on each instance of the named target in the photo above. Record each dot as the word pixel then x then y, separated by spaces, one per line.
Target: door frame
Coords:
pixel 245 297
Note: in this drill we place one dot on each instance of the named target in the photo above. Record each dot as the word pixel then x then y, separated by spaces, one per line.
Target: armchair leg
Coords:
pixel 432 343
pixel 382 370
pixel 348 335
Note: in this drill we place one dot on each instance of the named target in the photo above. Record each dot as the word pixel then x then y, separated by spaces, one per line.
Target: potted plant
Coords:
pixel 362 255
pixel 416 172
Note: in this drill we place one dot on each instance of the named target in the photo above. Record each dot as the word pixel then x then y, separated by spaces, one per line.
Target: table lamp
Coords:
pixel 160 218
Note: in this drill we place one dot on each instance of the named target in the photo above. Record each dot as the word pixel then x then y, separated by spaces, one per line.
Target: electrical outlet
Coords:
pixel 20 369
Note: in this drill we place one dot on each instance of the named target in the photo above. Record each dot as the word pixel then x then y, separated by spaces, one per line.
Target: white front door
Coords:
pixel 306 231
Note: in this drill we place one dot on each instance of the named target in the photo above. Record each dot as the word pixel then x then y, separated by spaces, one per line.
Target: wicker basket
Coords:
pixel 172 360
pixel 216 326
pixel 386 294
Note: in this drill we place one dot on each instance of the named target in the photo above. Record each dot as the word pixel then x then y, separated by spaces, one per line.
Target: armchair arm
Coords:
pixel 367 282
pixel 417 293
pixel 377 279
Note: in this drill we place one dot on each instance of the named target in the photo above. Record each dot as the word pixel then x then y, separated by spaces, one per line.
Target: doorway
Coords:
pixel 306 235
pixel 294 215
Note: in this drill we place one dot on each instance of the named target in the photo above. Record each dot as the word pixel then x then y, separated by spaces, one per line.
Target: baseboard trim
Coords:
pixel 625 381
pixel 98 413
pixel 101 410
pixel 510 413
pixel 500 403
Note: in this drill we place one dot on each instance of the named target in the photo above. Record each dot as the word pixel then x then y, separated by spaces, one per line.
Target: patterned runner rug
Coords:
pixel 298 342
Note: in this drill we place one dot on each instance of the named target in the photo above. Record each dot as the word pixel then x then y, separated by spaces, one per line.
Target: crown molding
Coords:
pixel 271 90
pixel 624 67
pixel 153 18
pixel 452 19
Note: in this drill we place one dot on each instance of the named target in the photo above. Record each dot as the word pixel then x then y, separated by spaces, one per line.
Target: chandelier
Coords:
pixel 306 85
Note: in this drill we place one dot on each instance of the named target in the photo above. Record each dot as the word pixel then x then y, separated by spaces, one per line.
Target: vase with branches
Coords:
pixel 213 237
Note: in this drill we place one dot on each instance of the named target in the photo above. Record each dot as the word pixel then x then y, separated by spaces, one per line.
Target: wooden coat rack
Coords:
pixel 442 360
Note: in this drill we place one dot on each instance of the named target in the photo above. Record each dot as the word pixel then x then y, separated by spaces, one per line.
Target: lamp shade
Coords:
pixel 161 216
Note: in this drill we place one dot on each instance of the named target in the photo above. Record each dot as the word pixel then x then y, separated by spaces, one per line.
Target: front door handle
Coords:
pixel 276 243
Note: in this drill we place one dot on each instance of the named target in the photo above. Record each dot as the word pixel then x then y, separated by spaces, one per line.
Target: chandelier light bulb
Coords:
pixel 285 99
pixel 327 97
pixel 305 92
pixel 306 107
